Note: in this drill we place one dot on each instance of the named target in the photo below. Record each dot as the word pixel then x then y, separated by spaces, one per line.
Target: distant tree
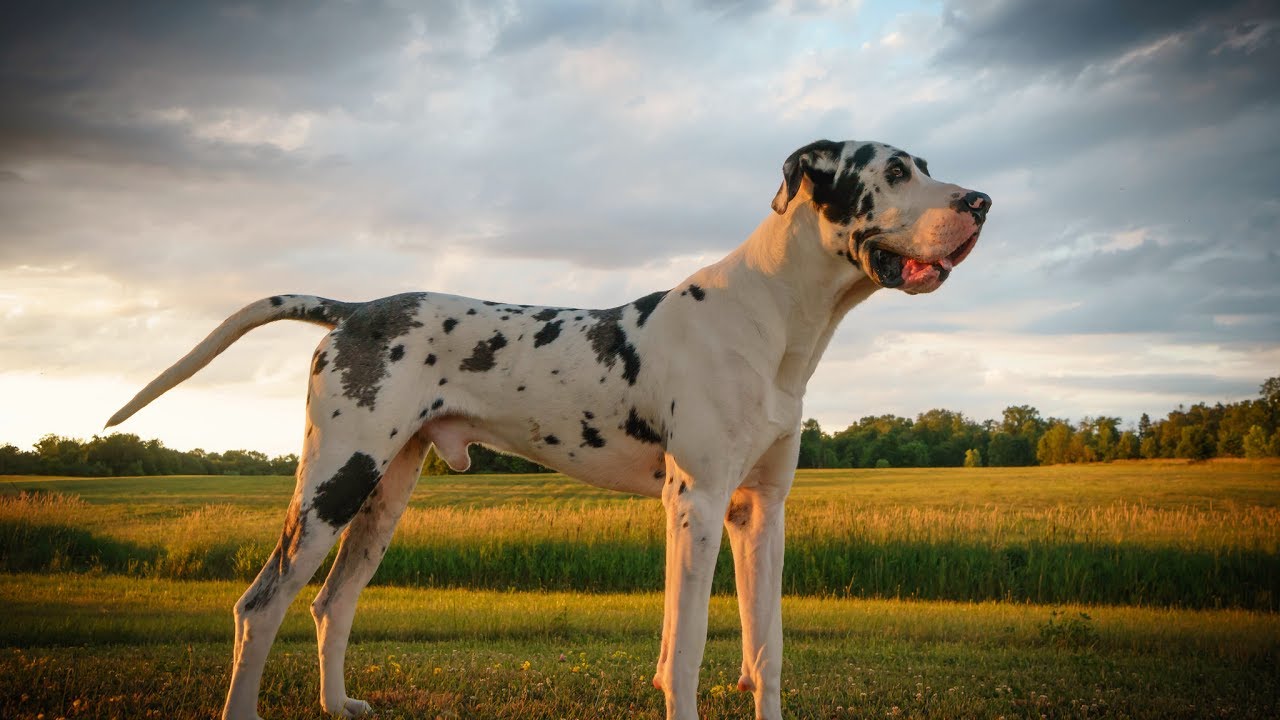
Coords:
pixel 812 440
pixel 1055 445
pixel 1127 446
pixel 972 458
pixel 1270 392
pixel 1144 427
pixel 1106 433
pixel 14 461
pixel 435 465
pixel 914 454
pixel 1257 445
pixel 1006 450
pixel 1195 444
pixel 1022 420
pixel 1149 448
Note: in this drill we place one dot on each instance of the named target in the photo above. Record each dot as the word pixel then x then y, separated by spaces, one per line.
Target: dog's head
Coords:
pixel 878 207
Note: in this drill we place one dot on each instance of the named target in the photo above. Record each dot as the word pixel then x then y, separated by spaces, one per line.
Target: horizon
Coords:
pixel 158 171
pixel 1125 425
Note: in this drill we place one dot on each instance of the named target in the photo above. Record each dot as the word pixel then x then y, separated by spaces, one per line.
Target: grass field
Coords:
pixel 1129 590
pixel 1166 534
pixel 111 647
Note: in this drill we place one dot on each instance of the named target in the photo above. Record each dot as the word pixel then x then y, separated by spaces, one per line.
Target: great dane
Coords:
pixel 692 395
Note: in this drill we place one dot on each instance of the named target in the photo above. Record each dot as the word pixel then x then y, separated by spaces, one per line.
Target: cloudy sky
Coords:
pixel 163 163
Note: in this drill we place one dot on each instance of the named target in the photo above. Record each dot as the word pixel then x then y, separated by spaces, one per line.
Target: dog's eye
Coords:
pixel 896 171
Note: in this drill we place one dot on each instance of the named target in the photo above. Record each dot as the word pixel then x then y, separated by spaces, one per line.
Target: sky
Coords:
pixel 164 163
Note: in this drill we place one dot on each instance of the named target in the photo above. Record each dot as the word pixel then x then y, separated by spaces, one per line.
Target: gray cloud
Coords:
pixel 1067 37
pixel 211 153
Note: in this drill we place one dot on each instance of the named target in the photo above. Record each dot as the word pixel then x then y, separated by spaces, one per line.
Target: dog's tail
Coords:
pixel 307 308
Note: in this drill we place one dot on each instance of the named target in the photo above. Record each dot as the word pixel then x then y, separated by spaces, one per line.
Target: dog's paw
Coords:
pixel 349 708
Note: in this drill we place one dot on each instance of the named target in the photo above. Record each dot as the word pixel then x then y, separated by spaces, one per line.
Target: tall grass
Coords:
pixel 1221 554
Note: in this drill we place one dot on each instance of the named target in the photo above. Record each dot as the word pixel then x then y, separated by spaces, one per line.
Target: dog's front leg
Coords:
pixel 756 526
pixel 695 504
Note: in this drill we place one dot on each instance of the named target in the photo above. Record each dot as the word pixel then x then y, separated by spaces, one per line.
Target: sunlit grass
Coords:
pixel 1149 533
pixel 129 648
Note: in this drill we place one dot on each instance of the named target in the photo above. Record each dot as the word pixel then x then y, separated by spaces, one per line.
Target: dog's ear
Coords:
pixel 817 160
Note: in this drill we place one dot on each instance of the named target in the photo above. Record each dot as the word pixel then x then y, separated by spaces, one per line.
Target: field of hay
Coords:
pixel 1144 590
pixel 1161 534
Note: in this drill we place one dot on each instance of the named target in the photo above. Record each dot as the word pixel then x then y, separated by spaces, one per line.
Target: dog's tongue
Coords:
pixel 915 272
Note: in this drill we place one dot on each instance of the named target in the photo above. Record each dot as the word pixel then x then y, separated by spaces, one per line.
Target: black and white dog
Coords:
pixel 692 395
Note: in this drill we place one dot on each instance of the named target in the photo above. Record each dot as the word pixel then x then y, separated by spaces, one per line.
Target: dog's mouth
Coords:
pixel 892 270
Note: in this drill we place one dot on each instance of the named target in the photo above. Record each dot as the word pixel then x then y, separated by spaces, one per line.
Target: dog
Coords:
pixel 692 395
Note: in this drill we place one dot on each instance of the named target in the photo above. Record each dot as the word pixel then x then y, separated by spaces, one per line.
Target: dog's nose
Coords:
pixel 977 202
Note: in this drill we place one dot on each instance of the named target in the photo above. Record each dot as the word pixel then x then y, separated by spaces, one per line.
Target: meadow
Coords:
pixel 1160 534
pixel 1143 590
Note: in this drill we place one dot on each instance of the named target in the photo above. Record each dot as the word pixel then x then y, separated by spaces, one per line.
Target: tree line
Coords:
pixel 937 438
pixel 942 438
pixel 127 454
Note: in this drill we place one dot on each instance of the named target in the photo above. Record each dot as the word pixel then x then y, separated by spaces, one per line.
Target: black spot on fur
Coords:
pixel 646 305
pixel 640 429
pixel 339 498
pixel 394 432
pixel 336 413
pixel 697 292
pixel 862 156
pixel 443 381
pixel 673 406
pixel 839 199
pixel 423 413
pixel 482 359
pixel 437 404
pixel 591 436
pixel 491 303
pixel 546 314
pixel 449 325
pixel 924 166
pixel 658 474
pixel 609 341
pixel 322 359
pixel 431 359
pixel 330 312
pixel 588 415
pixel 362 341
pixel 683 488
pixel 276 301
pixel 520 389
pixel 551 440
pixel 471 311
pixel 868 204
pixel 548 333
pixel 739 514
pixel 397 352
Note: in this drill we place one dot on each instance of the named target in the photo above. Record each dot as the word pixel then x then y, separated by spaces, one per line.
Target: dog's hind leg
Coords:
pixel 363 545
pixel 755 523
pixel 334 478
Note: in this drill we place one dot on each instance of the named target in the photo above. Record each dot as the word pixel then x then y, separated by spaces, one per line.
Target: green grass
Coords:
pixel 94 624
pixel 103 646
pixel 1162 534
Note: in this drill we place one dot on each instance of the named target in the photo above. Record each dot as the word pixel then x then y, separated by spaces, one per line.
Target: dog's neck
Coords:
pixel 792 291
